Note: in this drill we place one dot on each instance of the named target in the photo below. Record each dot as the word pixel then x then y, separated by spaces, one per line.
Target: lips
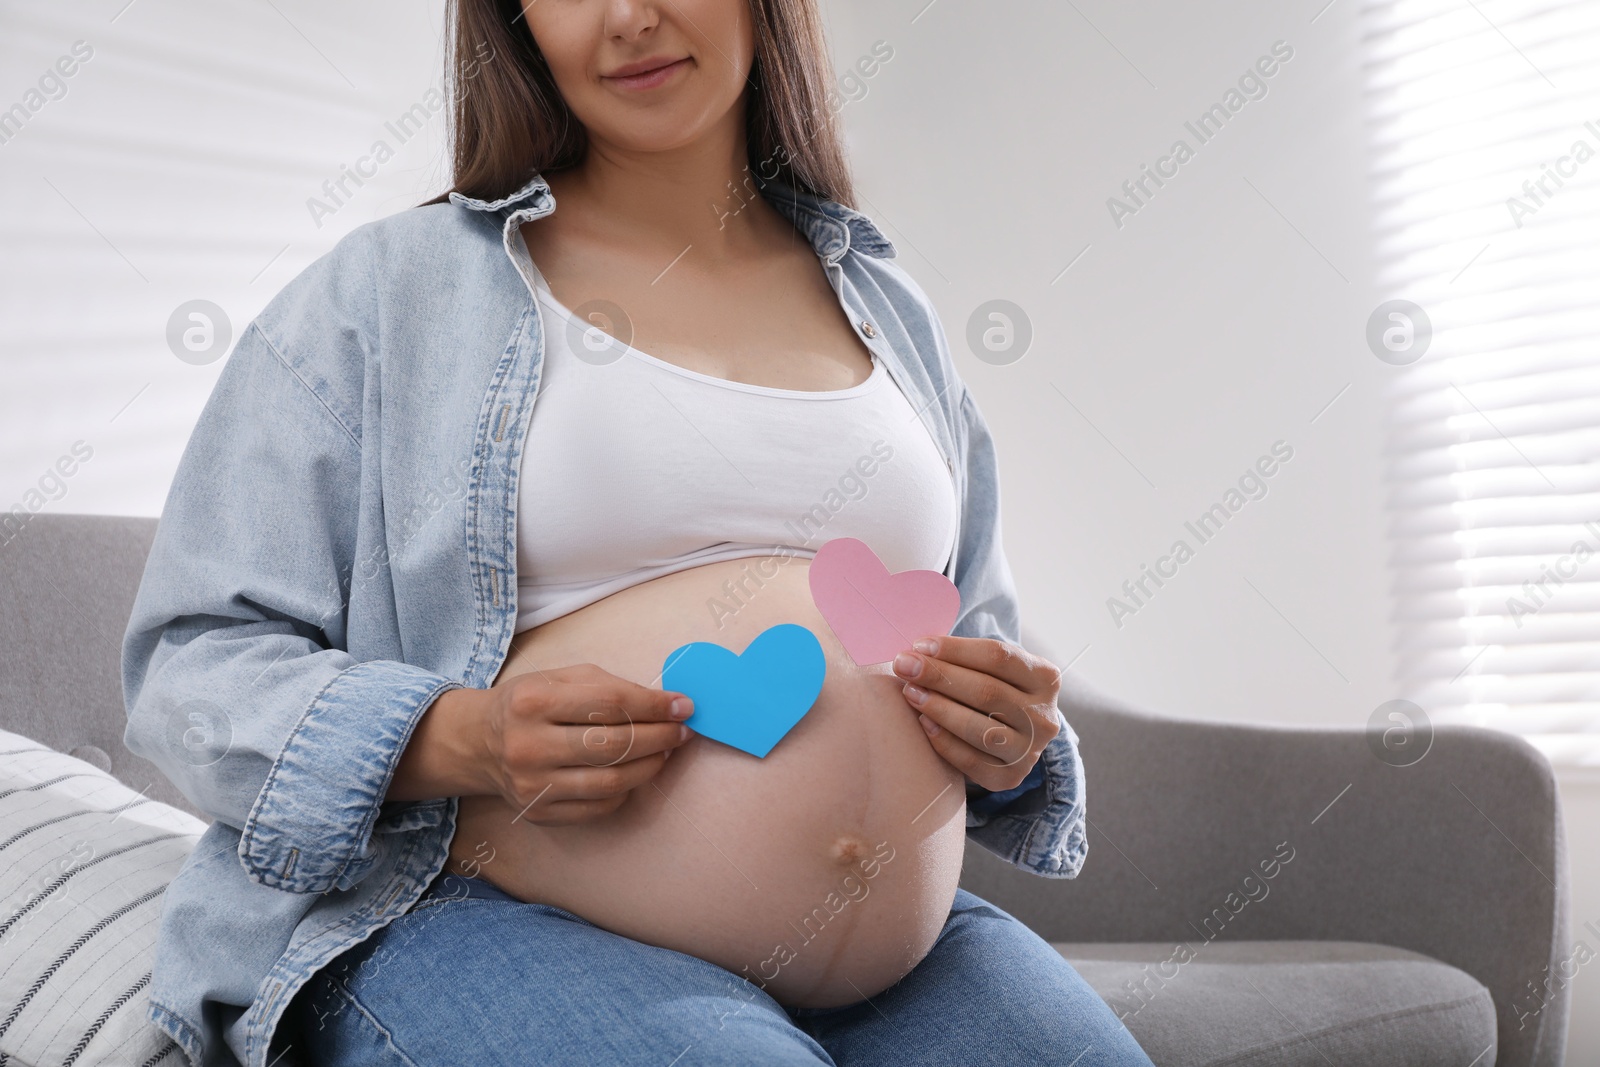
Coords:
pixel 645 74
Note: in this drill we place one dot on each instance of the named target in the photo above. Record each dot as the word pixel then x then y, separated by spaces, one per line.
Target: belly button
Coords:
pixel 847 849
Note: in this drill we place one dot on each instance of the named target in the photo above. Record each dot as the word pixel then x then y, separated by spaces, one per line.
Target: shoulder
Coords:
pixel 903 290
pixel 872 264
pixel 328 323
pixel 919 319
pixel 430 235
pixel 389 258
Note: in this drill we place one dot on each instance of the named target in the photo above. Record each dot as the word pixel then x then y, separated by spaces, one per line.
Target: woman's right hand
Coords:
pixel 567 745
pixel 559 746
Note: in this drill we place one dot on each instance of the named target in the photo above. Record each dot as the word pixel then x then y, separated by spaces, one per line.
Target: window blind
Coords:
pixel 1485 174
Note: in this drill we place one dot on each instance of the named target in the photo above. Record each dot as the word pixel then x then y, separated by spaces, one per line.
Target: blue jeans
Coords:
pixel 471 975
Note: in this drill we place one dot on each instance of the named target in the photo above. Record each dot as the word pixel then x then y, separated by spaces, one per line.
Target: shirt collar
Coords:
pixel 831 227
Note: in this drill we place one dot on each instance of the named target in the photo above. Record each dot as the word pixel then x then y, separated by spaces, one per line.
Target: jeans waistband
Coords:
pixel 447 886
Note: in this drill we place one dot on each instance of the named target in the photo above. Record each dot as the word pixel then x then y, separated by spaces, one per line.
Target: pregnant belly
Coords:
pixel 822 873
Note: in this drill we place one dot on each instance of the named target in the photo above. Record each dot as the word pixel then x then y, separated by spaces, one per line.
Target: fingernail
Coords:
pixel 682 708
pixel 927 645
pixel 929 725
pixel 668 754
pixel 683 732
pixel 915 694
pixel 907 665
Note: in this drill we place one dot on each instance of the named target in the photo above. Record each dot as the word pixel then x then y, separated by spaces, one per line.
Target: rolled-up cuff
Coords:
pixel 1041 830
pixel 984 803
pixel 310 828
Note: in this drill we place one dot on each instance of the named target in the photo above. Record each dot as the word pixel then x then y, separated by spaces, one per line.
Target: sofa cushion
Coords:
pixel 1291 1003
pixel 84 861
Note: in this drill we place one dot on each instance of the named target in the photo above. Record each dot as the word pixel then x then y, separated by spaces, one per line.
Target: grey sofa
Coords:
pixel 1253 895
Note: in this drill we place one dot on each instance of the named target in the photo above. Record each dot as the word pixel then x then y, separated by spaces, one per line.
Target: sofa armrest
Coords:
pixel 1460 856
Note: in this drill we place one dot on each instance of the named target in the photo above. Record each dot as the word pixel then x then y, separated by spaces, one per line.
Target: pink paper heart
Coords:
pixel 876 614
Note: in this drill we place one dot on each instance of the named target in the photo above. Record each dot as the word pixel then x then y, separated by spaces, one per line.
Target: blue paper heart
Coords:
pixel 751 700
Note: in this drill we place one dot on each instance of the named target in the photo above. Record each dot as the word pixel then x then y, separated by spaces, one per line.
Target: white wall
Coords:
pixel 1222 317
pixel 177 167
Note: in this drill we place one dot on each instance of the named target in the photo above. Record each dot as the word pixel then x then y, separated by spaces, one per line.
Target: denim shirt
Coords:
pixel 338 548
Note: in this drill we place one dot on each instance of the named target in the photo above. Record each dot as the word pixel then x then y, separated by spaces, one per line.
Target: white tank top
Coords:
pixel 635 467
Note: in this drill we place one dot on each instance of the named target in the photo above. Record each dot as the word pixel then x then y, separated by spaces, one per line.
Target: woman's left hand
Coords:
pixel 988 706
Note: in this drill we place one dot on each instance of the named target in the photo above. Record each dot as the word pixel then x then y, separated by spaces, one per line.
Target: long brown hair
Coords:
pixel 508 121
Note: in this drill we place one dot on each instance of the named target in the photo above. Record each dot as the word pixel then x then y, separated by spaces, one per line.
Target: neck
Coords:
pixel 701 195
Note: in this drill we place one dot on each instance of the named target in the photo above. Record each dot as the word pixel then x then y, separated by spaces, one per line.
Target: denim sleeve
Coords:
pixel 985 802
pixel 1039 825
pixel 236 681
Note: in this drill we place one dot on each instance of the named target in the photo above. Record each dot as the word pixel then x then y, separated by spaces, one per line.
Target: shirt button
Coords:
pixel 867 328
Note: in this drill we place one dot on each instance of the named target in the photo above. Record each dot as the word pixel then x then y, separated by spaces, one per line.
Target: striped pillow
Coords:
pixel 84 861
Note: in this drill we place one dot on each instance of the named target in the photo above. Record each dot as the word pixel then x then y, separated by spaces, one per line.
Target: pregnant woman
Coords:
pixel 463 487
